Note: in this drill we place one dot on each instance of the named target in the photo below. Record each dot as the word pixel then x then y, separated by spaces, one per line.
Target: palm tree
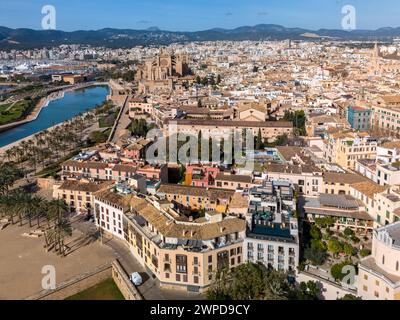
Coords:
pixel 21 204
pixel 63 227
pixel 9 173
pixel 32 207
pixel 9 154
pixel 56 210
pixel 8 202
pixel 5 205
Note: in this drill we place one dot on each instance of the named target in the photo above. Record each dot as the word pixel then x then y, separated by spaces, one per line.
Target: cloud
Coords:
pixel 143 22
pixel 263 13
pixel 229 14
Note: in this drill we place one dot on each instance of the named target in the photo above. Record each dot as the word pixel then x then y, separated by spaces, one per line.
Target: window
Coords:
pixel 196 279
pixel 178 277
pixel 397 266
pixel 383 259
pixel 376 282
pixel 195 260
pixel 222 260
pixel 376 294
pixel 209 259
pixel 365 277
pixel 181 263
pixel 365 288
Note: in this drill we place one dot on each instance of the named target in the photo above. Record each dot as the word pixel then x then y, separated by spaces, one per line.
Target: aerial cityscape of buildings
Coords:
pixel 322 190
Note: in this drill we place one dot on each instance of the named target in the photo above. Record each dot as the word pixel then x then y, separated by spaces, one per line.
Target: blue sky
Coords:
pixel 193 15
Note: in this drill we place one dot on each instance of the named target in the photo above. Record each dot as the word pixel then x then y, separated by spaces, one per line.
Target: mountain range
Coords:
pixel 123 38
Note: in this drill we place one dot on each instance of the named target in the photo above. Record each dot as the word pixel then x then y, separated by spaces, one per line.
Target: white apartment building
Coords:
pixel 379 273
pixel 272 234
pixel 307 179
pixel 388 152
pixel 109 212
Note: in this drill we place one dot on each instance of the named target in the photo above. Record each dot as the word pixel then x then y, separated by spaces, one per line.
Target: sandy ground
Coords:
pixel 22 259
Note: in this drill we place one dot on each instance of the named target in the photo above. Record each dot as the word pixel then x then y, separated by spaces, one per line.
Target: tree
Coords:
pixel 317 244
pixel 250 281
pixel 277 286
pixel 316 256
pixel 309 290
pixel 58 225
pixel 349 297
pixel 139 127
pixel 337 270
pixel 98 137
pixel 9 173
pixel 259 143
pixel 348 249
pixel 315 233
pixel 281 140
pixel 348 232
pixel 324 222
pixel 298 118
pixel 334 246
pixel 365 252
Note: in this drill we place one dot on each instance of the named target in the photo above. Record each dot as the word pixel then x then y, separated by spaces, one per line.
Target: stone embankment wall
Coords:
pixel 90 279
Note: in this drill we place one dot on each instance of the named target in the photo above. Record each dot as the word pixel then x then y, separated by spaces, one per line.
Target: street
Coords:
pixel 150 289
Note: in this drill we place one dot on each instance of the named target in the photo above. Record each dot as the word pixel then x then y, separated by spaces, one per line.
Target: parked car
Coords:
pixel 136 278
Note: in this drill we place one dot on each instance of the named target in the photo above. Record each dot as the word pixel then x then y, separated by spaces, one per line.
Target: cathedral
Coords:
pixel 164 66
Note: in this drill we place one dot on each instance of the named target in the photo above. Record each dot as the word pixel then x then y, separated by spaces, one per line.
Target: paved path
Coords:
pixel 121 123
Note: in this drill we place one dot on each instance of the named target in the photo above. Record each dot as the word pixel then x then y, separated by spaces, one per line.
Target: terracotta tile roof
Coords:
pixel 212 193
pixel 392 144
pixel 239 201
pixel 192 231
pixel 86 164
pixel 233 178
pixel 75 185
pixel 391 99
pixel 114 198
pixel 369 188
pixel 346 178
pixel 124 168
pixel 230 123
pixel 288 152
